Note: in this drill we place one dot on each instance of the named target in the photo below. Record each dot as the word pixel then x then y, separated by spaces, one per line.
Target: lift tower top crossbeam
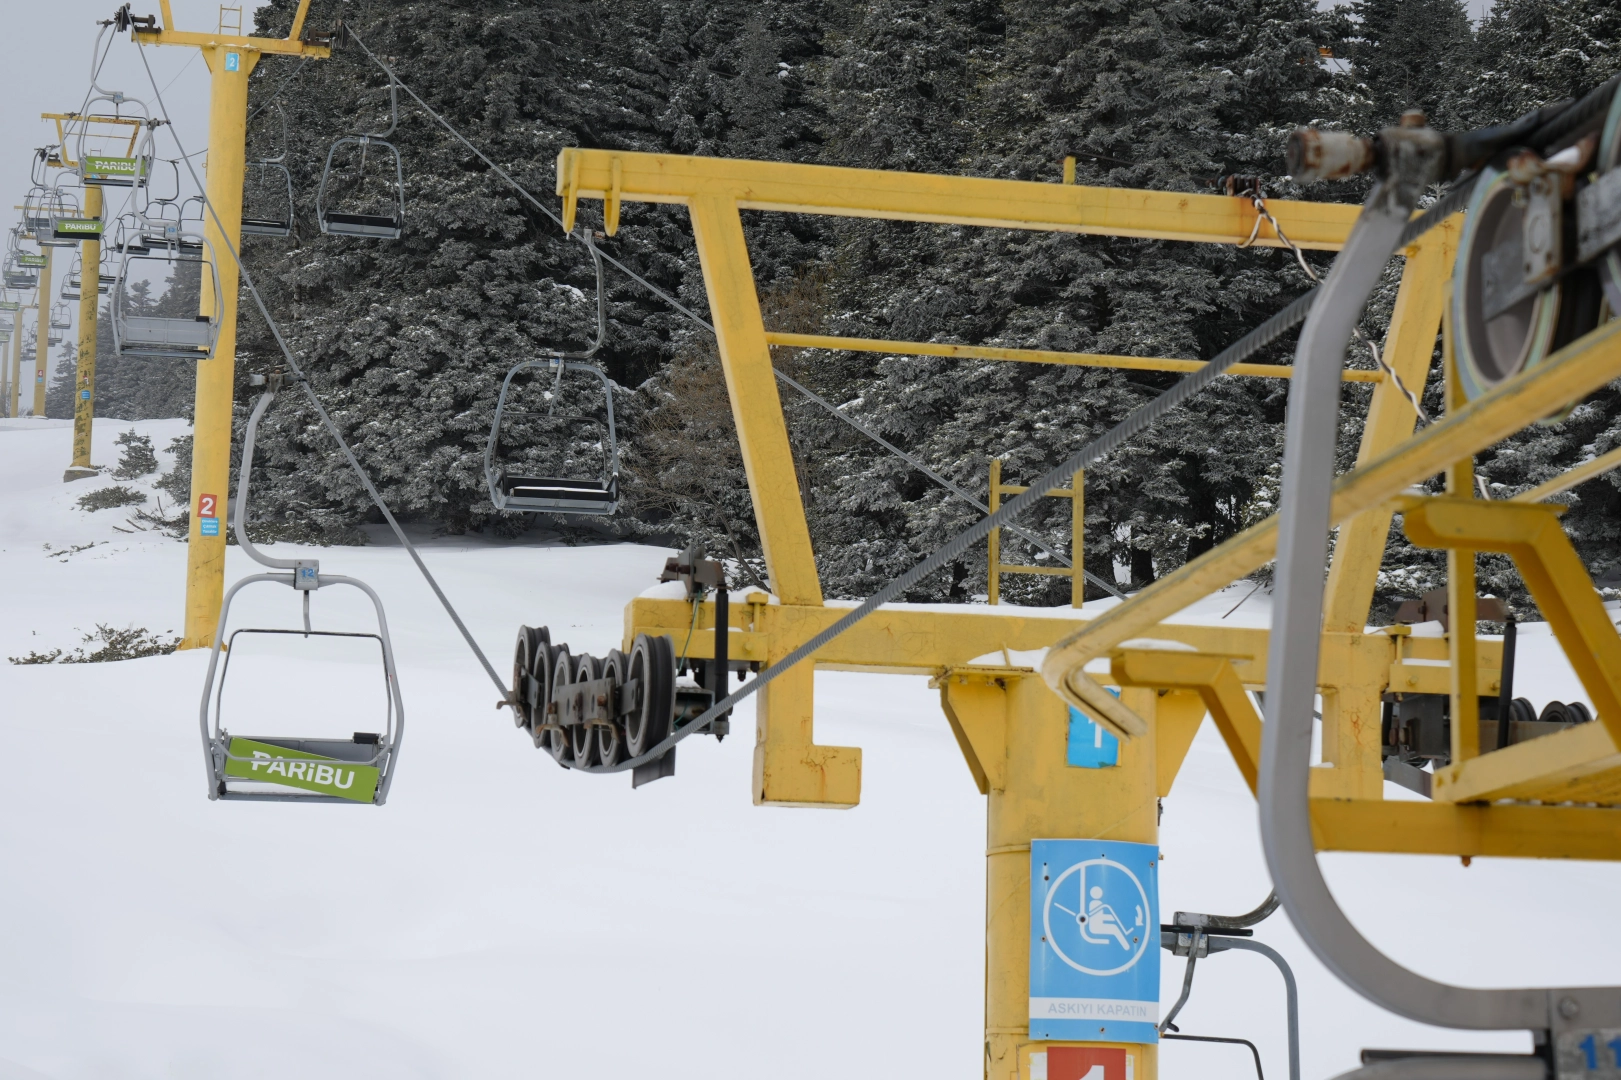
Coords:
pixel 231 58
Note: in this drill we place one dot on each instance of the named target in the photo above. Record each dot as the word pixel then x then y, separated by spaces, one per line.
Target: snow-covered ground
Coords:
pixel 503 918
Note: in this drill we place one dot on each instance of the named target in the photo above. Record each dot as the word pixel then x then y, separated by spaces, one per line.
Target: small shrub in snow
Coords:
pixel 137 458
pixel 110 498
pixel 177 482
pixel 130 643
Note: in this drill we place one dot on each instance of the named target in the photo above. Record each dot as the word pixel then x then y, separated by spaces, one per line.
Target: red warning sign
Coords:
pixel 206 506
pixel 1088 1063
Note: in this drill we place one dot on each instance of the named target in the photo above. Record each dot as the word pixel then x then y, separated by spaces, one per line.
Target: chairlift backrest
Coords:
pixel 278 768
pixel 388 225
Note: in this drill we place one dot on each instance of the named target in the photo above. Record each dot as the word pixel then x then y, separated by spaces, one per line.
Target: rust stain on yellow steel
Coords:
pixel 950 200
pixel 1037 356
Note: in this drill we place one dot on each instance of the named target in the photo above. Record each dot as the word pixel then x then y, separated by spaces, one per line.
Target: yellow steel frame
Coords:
pixel 1076 494
pixel 231 59
pixel 1007 721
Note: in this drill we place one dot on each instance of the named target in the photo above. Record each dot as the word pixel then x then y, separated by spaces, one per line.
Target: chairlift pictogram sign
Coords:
pixel 1094 941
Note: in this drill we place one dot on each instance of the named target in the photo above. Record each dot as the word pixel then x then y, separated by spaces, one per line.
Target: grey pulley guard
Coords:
pixel 1292 659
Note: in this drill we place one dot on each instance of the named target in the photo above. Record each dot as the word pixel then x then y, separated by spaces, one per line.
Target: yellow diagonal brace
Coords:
pixel 1569 375
pixel 1212 677
pixel 1553 571
pixel 757 410
pixel 1409 349
pixel 950 200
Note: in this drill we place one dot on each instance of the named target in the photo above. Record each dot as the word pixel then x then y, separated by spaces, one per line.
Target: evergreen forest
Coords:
pixel 408 341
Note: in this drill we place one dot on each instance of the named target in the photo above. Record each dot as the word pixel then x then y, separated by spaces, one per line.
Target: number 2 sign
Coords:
pixel 206 506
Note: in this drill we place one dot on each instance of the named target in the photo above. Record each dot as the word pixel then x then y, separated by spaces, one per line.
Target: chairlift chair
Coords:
pixel 550 494
pixel 383 226
pixel 270 175
pixel 277 768
pixel 263 223
pixel 131 170
pixel 166 335
pixel 17 276
pixel 37 212
pixel 61 317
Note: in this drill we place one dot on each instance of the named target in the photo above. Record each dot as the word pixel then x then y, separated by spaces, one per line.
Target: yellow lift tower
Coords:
pixel 89 226
pixel 231 57
pixel 42 343
pixel 1009 723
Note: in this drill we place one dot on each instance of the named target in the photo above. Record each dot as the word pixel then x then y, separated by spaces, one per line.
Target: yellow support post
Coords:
pixel 993 588
pixel 216 378
pixel 230 61
pixel 1017 729
pixel 1460 480
pixel 15 393
pixel 1077 541
pixel 84 379
pixel 42 347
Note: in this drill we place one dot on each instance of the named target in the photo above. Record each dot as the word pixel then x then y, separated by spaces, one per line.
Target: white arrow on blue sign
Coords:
pixel 1094 941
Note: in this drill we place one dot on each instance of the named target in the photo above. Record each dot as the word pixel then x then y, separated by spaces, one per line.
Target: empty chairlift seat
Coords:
pixel 552 494
pixel 377 212
pixel 355 770
pixel 267 197
pixel 142 332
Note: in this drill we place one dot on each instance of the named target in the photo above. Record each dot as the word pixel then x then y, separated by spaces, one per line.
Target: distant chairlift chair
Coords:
pixel 380 226
pixel 276 768
pixel 268 202
pixel 548 494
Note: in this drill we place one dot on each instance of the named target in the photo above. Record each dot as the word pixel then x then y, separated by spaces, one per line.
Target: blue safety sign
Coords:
pixel 1090 746
pixel 233 61
pixel 208 526
pixel 84 395
pixel 1094 941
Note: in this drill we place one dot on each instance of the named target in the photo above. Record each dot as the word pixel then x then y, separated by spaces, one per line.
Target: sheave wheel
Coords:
pixel 611 749
pixel 540 682
pixel 1489 352
pixel 652 664
pixel 523 653
pixel 556 742
pixel 583 739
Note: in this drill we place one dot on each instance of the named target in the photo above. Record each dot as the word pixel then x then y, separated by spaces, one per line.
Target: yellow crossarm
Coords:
pixel 1036 356
pixel 1571 374
pixel 616 177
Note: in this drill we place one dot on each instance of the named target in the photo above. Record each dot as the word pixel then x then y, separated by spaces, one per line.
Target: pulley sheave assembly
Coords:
pixel 1528 275
pixel 597 715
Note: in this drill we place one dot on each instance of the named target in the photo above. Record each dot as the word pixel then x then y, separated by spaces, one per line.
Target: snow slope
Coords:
pixel 503 918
